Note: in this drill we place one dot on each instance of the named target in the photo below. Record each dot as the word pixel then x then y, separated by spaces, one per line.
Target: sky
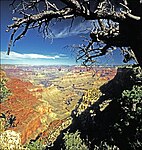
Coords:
pixel 33 49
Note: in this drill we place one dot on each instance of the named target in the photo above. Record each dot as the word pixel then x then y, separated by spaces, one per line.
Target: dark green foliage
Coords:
pixel 129 125
pixel 74 142
pixel 4 92
pixel 131 103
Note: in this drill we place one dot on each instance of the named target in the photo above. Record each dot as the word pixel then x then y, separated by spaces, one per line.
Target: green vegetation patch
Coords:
pixel 4 91
pixel 74 142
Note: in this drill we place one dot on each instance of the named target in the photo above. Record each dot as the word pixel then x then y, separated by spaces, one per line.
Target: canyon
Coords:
pixel 42 98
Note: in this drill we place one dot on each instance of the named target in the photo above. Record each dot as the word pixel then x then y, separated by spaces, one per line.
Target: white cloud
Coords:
pixel 81 28
pixel 14 55
pixel 63 55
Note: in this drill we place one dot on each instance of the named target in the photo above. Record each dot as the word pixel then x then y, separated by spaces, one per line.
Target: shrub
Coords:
pixel 4 92
pixel 7 120
pixel 74 142
pixel 129 124
pixel 37 145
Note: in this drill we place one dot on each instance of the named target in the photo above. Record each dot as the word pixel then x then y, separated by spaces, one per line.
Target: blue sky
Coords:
pixel 34 49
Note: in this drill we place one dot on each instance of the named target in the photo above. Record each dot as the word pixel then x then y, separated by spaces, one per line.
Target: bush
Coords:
pixel 4 92
pixel 74 142
pixel 129 124
pixel 37 145
pixel 7 120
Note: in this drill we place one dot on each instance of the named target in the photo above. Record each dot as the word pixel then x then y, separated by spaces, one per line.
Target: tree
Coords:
pixel 117 24
pixel 129 125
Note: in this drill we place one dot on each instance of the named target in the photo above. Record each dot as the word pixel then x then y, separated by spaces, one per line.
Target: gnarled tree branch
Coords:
pixel 114 25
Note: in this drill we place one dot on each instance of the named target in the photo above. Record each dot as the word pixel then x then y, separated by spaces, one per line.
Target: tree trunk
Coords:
pixel 137 49
pixel 131 29
pixel 135 30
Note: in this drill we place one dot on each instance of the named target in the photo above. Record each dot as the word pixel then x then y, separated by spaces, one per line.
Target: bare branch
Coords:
pixel 11 40
pixel 114 23
pixel 45 16
pixel 22 34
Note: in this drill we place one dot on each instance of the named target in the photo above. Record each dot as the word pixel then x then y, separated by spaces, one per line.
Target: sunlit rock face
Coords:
pixel 22 104
pixel 10 140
